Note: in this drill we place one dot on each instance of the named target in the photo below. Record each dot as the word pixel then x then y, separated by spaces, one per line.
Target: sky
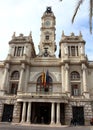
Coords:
pixel 23 16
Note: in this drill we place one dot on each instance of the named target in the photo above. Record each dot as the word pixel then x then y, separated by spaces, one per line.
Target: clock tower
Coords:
pixel 47 46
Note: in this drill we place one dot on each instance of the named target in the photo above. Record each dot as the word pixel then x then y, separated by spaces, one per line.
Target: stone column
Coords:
pixel 25 50
pixel 23 112
pixel 21 78
pixel 29 112
pixel 15 50
pixel 85 89
pixel 58 114
pixel 62 80
pixel 12 51
pixel 75 50
pixel 84 78
pixel 53 113
pixel 5 78
pixel 66 52
pixel 66 78
pixel 70 51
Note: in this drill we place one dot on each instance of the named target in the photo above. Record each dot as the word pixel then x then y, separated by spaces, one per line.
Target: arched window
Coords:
pixel 14 82
pixel 45 86
pixel 75 75
pixel 15 75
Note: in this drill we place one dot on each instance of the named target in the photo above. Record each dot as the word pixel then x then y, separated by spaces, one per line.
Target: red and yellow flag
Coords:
pixel 44 79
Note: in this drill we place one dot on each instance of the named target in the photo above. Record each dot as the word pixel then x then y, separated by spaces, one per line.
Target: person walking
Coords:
pixel 71 122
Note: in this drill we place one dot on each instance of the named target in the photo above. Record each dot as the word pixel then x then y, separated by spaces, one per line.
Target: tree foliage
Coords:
pixel 79 3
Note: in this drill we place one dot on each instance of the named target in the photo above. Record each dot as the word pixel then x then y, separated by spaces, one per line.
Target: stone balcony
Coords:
pixel 42 97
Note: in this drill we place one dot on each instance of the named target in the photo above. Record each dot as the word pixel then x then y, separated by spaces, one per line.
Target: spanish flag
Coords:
pixel 44 79
pixel 47 77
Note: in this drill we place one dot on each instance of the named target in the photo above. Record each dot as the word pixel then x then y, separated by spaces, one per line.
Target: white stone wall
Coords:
pixel 90 81
pixel 1 76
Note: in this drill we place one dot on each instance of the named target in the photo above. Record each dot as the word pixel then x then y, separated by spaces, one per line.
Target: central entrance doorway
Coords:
pixel 78 115
pixel 41 113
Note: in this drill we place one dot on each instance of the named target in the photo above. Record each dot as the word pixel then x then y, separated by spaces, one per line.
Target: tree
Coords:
pixel 79 3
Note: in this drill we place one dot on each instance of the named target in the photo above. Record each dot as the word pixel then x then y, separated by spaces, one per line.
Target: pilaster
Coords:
pixel 85 89
pixel 4 82
pixel 21 78
pixel 67 79
pixel 62 80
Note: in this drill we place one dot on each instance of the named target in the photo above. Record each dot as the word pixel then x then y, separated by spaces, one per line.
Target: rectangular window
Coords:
pixel 19 50
pixel 73 50
pixel 77 50
pixel 14 87
pixel 75 90
pixel 47 37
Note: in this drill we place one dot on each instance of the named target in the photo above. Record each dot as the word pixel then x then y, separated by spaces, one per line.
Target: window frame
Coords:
pixel 47 37
pixel 14 81
pixel 74 75
pixel 75 90
pixel 14 88
pixel 15 75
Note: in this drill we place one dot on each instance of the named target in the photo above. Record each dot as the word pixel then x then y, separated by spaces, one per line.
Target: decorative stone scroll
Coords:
pixel 57 75
pixel 33 75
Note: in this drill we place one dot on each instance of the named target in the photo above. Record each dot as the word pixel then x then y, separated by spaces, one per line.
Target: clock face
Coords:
pixel 47 23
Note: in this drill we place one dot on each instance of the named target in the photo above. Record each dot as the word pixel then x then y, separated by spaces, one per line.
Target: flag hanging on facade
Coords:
pixel 47 77
pixel 43 77
pixel 44 81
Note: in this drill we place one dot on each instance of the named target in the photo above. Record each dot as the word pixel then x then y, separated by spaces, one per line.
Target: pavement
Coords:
pixel 25 126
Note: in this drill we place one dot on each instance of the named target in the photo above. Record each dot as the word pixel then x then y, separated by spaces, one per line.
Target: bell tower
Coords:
pixel 47 46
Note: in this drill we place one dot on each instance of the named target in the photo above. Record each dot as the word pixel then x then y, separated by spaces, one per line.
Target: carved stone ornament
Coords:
pixel 33 76
pixel 57 75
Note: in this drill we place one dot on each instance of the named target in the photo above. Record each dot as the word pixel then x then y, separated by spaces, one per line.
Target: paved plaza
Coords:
pixel 8 126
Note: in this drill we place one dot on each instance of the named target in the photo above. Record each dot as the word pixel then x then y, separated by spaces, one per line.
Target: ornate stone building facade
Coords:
pixel 41 88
